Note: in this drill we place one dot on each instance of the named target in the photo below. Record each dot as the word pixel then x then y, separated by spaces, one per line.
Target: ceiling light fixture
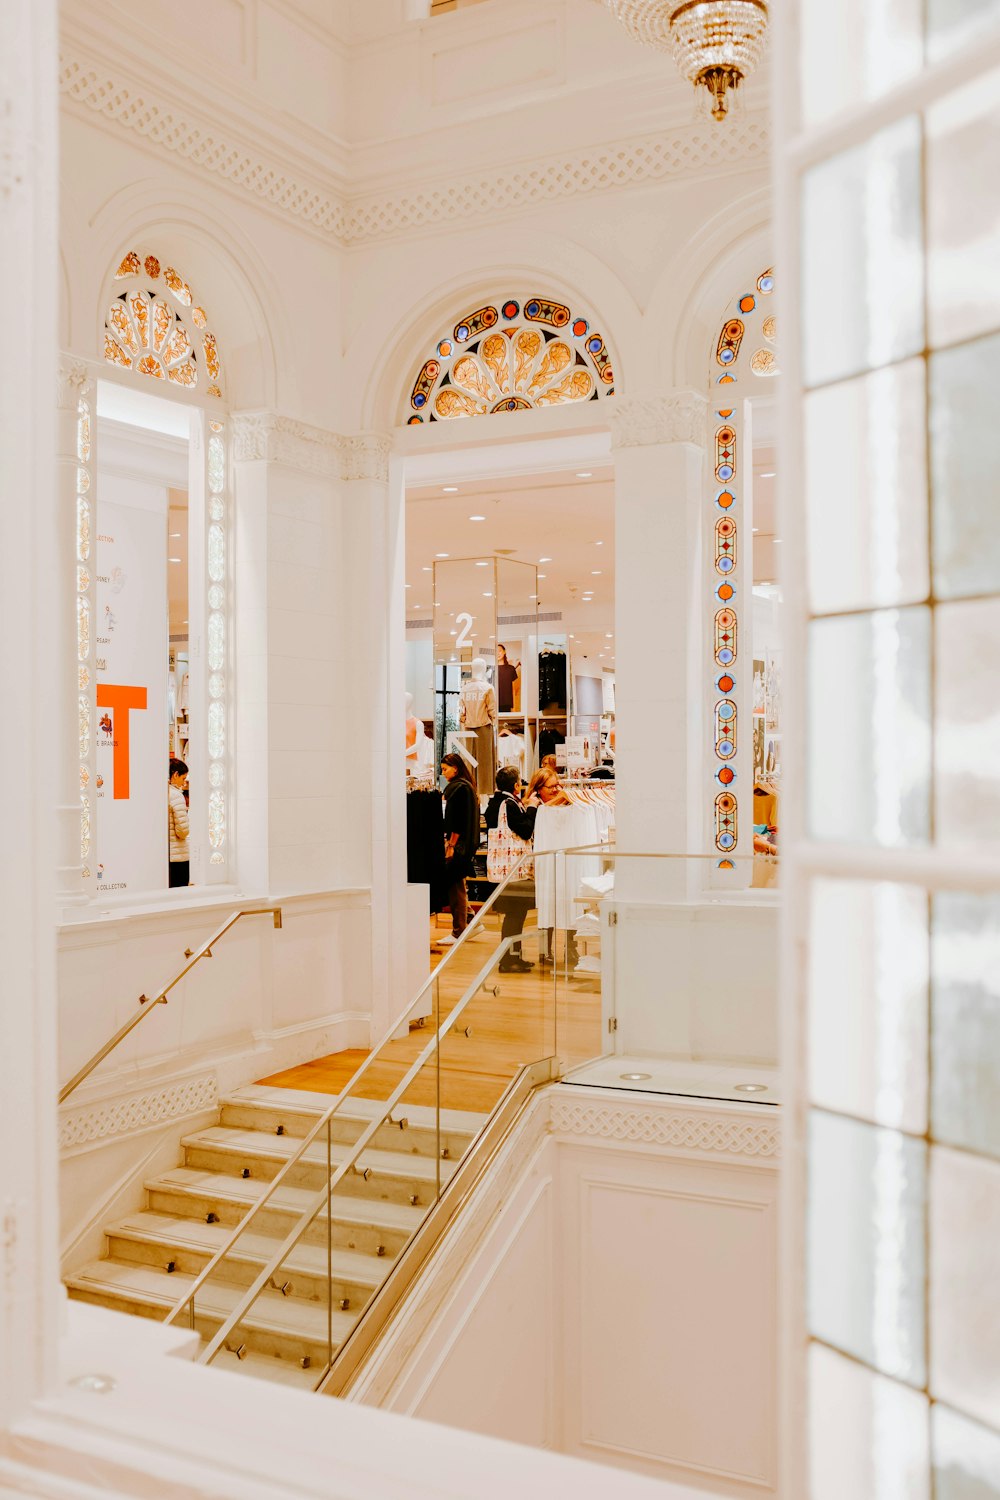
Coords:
pixel 477 518
pixel 715 43
pixel 585 474
pixel 442 554
pixel 482 564
pixel 173 559
pixel 595 572
pixel 770 473
pixel 598 544
pixel 544 559
pixel 449 489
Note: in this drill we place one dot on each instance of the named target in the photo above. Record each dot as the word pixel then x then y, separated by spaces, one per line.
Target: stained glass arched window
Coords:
pixel 155 327
pixel 512 355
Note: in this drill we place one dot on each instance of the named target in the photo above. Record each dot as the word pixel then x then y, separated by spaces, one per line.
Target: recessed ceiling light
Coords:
pixel 532 596
pixel 585 474
pixel 777 541
pixel 609 635
pixel 477 518
pixel 442 554
pixel 595 572
pixel 482 564
pixel 407 585
pixel 175 559
pixel 749 1088
pixel 768 474
pixel 543 575
pixel 453 632
pixel 488 594
pixel 544 559
pixel 755 529
pixel 635 1077
pixel 598 544
pixel 175 536
pixel 449 489
pixel 185 622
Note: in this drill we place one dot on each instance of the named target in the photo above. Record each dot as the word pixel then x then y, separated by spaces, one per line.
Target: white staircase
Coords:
pixel 155 1253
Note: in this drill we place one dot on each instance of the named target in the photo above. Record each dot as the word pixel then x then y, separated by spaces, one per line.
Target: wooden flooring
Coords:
pixel 527 1019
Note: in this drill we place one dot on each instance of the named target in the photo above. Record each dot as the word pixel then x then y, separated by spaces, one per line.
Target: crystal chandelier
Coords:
pixel 716 43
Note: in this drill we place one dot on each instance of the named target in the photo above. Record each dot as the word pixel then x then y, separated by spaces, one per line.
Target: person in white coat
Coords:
pixel 178 825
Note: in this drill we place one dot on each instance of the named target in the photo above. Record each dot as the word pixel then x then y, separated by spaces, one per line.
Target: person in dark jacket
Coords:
pixel 461 838
pixel 519 896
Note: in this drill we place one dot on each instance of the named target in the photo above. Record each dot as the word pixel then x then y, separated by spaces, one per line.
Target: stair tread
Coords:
pixel 270 1313
pixel 241 1141
pixel 306 1102
pixel 348 1208
pixel 174 1233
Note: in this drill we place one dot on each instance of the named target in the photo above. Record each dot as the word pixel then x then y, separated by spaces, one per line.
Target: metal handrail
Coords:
pixel 324 1119
pixel 205 951
pixel 324 1193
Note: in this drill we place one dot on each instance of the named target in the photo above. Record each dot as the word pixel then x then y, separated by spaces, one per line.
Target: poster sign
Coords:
pixel 131 639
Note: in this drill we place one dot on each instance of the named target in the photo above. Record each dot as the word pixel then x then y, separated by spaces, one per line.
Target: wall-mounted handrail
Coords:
pixel 324 1119
pixel 146 1006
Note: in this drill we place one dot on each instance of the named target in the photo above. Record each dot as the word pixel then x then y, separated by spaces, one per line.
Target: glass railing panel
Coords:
pixel 669 973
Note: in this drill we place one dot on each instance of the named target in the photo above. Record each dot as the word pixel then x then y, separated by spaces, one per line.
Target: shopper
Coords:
pixel 518 897
pixel 178 824
pixel 461 838
pixel 544 788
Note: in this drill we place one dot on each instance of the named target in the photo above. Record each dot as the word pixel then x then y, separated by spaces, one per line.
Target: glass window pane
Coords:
pixel 966 1458
pixel 867 1435
pixel 965 988
pixel 963 215
pixel 856 50
pixel 862 260
pixel 965 1289
pixel 868 1001
pixel 955 23
pixel 965 460
pixel 967 723
pixel 869 728
pixel 866 491
pixel 867 1191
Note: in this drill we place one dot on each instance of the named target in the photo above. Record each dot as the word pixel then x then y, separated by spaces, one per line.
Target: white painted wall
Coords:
pixel 611 1293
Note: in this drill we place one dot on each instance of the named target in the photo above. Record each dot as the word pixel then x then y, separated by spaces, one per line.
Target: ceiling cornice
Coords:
pixel 251 161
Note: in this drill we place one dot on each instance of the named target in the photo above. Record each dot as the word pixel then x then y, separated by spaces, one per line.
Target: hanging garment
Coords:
pixel 485 769
pixel 425 843
pixel 551 681
pixel 506 672
pixel 563 828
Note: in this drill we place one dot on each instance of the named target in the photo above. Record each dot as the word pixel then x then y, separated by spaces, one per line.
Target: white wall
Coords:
pixel 611 1293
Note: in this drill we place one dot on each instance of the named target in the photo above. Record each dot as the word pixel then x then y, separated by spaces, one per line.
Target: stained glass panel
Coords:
pixel 82 627
pixel 83 717
pixel 216 817
pixel 725 730
pixel 216 463
pixel 84 826
pixel 216 642
pixel 146 333
pixel 82 528
pixel 216 553
pixel 216 732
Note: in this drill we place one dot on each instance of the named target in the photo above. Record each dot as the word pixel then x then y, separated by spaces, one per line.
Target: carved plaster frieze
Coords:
pixel 639 421
pixel 210 144
pixel 314 450
pixel 72 382
pixel 125 1116
pixel 709 1134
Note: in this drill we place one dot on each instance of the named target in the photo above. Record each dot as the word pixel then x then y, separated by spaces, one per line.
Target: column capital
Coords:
pixel 315 450
pixel 669 417
pixel 72 382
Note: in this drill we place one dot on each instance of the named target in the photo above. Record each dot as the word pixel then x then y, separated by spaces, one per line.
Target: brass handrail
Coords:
pixel 147 1006
pixel 324 1119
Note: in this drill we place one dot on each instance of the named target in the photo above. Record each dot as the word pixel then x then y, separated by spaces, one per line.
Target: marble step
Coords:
pixel 358 1223
pixel 394 1176
pixel 158 1240
pixel 247 1110
pixel 288 1328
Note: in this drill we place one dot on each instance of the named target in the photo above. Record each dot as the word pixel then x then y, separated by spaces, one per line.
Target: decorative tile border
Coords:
pixel 659 1125
pixel 124 1116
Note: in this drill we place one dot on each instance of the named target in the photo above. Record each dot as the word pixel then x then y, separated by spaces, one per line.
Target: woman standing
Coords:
pixel 461 838
pixel 519 897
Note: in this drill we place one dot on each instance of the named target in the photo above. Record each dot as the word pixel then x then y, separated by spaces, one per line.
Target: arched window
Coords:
pixel 745 352
pixel 154 326
pixel 153 600
pixel 512 355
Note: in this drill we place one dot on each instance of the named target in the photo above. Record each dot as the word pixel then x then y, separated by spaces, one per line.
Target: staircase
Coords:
pixel 154 1254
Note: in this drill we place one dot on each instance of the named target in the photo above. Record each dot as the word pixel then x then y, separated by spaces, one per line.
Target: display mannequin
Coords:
pixel 477 713
pixel 419 748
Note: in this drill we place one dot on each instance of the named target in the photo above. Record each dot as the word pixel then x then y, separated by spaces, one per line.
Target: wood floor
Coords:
pixel 528 1018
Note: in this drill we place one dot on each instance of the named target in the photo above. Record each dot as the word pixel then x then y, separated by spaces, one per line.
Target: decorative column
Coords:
pixel 77 546
pixel 658 445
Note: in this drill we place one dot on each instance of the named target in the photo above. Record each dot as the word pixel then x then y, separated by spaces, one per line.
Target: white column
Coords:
pixel 374 533
pixel 658 445
pixel 33 608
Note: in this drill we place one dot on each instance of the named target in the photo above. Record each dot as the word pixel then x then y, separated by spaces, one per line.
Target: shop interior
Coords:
pixel 511 582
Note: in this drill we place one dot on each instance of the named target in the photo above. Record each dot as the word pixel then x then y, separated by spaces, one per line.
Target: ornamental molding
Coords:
pixel 136 1112
pixel 210 144
pixel 640 421
pixel 72 382
pixel 276 439
pixel 707 1134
